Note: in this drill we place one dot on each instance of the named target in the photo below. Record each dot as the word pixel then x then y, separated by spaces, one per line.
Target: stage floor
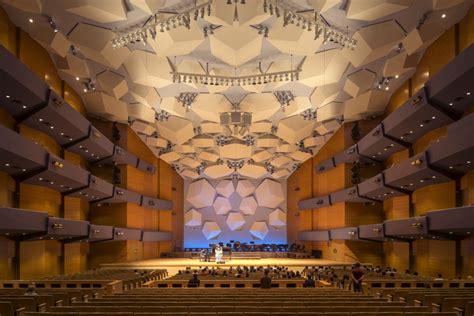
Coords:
pixel 175 264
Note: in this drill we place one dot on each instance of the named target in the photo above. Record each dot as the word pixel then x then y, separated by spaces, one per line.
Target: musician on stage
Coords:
pixel 218 253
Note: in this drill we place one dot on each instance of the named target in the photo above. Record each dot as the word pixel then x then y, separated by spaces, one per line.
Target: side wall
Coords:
pixel 427 257
pixel 42 258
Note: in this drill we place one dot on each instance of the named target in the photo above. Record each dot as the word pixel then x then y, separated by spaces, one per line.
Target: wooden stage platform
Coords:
pixel 175 264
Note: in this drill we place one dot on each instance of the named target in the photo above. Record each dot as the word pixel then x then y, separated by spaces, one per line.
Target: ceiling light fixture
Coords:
pixel 320 27
pixel 142 34
pixel 284 97
pixel 264 78
pixel 186 99
pixel 309 115
pixel 240 121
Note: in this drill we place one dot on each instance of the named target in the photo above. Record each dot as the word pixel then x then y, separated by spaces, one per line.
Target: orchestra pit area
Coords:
pixel 236 157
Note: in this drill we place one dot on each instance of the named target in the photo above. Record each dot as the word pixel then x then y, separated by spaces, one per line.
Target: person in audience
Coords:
pixel 194 281
pixel 266 281
pixel 309 282
pixel 357 277
pixel 439 277
pixel 31 290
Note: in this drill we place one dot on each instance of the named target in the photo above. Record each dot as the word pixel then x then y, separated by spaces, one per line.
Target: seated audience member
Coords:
pixel 309 282
pixel 357 277
pixel 439 277
pixel 194 281
pixel 31 290
pixel 266 281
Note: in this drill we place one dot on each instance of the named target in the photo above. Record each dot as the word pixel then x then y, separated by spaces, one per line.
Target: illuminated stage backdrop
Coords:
pixel 240 210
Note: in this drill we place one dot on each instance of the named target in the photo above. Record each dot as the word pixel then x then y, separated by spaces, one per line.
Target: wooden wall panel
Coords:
pixel 434 197
pixel 5 119
pixel 7 32
pixel 39 259
pixel 397 207
pixel 36 198
pixel 7 252
pixel 106 252
pixel 7 190
pixel 363 213
pixel 178 211
pixel 398 98
pixel 435 256
pixel 31 53
pixel 397 255
pixel 76 208
pixel 466 30
pixel 41 138
pixel 436 56
pixel 467 251
pixel 73 99
pixel 111 214
pixel 467 188
pixel 429 138
pixel 75 257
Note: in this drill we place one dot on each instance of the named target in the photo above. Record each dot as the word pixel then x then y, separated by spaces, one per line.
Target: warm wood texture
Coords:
pixel 39 259
pixel 397 207
pixel 429 138
pixel 399 97
pixel 467 250
pixel 41 138
pixel 36 198
pixel 7 252
pixel 434 197
pixel 76 208
pixel 7 32
pixel 466 30
pixel 397 255
pixel 75 257
pixel 436 56
pixel 73 99
pixel 435 256
pixel 7 190
pixel 467 188
pixel 6 119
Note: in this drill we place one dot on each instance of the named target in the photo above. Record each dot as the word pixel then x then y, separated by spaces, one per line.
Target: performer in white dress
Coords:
pixel 219 252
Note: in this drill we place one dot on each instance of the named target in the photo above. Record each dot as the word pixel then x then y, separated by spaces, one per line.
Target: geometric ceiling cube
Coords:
pixel 176 130
pixel 294 128
pixel 235 45
pixel 252 171
pixel 323 68
pixel 156 142
pixel 269 194
pixel 55 42
pixel 184 149
pixel 191 67
pixel 259 230
pixel 203 141
pixel 375 9
pixel 261 105
pixel 222 205
pixel 209 106
pixel 245 188
pixel 143 128
pixel 170 157
pixel 399 64
pixel 173 106
pixel 145 95
pixel 207 156
pixel 190 174
pixel 190 162
pixel 192 218
pixel 298 105
pixel 33 6
pixel 262 156
pixel 280 173
pixel 235 221
pixel 252 13
pixel 248 205
pixel 112 83
pixel 331 110
pixel 324 94
pixel 95 43
pixel 371 45
pixel 444 4
pixel 277 218
pixel 99 11
pixel 211 230
pixel 268 142
pixel 105 106
pixel 327 127
pixel 359 82
pixel 141 112
pixel 261 127
pixel 200 194
pixel 178 41
pixel 235 151
pixel 218 171
pixel 300 156
pixel 222 13
pixel 211 128
pixel 314 141
pixel 148 69
pixel 369 103
pixel 291 39
pixel 280 161
pixel 73 66
pixel 225 188
pixel 286 148
pixel 149 6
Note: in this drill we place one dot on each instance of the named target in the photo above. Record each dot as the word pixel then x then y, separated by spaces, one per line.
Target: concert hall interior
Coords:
pixel 285 157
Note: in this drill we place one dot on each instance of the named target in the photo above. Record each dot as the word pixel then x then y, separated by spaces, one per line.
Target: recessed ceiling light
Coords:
pixel 443 15
pixel 421 125
pixel 52 127
pixel 451 103
pixel 77 78
pixel 41 120
pixel 7 96
pixel 433 117
pixel 7 165
pixel 450 167
pixel 386 88
pixel 434 177
pixel 85 90
pixel 411 132
pixel 396 76
pixel 31 20
pixel 468 93
pixel 421 181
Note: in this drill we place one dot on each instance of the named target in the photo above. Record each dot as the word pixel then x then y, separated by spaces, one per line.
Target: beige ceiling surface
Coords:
pixel 134 84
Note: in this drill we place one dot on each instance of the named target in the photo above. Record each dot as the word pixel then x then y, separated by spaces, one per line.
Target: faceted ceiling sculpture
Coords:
pixel 277 218
pixel 192 218
pixel 248 205
pixel 225 188
pixel 178 117
pixel 235 221
pixel 259 230
pixel 245 188
pixel 200 194
pixel 211 230
pixel 269 194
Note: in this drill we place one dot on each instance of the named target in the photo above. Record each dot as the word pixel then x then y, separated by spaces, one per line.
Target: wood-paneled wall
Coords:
pixel 428 257
pixel 42 258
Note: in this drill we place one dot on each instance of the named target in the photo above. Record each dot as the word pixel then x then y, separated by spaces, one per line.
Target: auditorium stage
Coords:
pixel 175 264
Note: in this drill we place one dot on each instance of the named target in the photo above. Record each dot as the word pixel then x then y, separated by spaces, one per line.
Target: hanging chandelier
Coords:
pixel 213 80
